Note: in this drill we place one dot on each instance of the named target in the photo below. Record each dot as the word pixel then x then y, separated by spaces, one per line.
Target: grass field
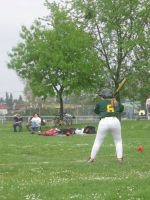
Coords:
pixel 34 167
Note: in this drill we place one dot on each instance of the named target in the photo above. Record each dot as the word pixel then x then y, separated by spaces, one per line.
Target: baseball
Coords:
pixel 140 148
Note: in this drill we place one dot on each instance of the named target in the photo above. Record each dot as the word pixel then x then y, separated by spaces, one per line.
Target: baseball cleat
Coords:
pixel 91 160
pixel 120 160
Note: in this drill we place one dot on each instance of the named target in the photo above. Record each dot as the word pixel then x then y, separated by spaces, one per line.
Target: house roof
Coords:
pixel 3 106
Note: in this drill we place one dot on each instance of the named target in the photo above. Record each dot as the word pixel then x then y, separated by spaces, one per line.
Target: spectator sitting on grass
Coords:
pixel 35 123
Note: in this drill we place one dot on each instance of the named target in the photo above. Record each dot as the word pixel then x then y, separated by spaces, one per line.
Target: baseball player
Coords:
pixel 148 107
pixel 108 109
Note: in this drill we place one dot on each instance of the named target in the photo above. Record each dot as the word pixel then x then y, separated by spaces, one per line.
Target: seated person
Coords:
pixel 17 122
pixel 35 123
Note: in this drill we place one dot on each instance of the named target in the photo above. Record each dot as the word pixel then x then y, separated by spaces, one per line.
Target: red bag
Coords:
pixel 50 132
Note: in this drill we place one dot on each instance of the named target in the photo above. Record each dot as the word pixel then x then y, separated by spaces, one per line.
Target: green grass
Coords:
pixel 34 167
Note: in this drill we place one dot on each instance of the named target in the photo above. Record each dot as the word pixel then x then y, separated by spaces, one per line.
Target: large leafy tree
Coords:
pixel 56 56
pixel 122 34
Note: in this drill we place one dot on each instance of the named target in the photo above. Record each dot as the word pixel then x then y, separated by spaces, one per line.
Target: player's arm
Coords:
pixel 121 107
pixel 97 109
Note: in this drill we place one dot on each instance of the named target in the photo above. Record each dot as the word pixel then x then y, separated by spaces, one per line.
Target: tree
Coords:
pixel 9 99
pixel 57 57
pixel 1 100
pixel 20 100
pixel 121 30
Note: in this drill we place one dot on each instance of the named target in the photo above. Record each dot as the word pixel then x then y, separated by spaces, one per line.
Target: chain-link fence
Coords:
pixel 80 113
pixel 50 119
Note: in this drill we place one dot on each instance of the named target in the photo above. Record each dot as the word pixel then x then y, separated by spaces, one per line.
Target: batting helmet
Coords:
pixel 106 93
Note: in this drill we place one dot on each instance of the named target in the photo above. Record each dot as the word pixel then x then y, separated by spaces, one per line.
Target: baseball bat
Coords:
pixel 121 84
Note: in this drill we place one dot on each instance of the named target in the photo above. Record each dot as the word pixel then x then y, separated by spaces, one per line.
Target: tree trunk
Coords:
pixel 61 110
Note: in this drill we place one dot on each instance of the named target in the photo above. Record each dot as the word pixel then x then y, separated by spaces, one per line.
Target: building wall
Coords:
pixel 3 112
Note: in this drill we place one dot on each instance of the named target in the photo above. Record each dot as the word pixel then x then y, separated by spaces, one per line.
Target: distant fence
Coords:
pixel 50 119
pixel 76 120
pixel 82 113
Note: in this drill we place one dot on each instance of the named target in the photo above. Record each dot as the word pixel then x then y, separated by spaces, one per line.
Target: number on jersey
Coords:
pixel 110 108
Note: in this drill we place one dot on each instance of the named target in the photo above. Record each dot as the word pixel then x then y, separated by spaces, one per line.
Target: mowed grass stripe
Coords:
pixel 55 168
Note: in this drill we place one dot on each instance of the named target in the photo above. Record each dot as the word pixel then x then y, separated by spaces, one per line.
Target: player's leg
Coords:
pixel 148 114
pixel 15 127
pixel 116 131
pixel 20 127
pixel 100 135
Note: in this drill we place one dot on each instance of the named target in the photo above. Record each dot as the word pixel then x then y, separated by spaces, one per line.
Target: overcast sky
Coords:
pixel 14 14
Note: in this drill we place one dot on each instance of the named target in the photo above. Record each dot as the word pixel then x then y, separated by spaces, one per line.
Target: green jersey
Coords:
pixel 104 108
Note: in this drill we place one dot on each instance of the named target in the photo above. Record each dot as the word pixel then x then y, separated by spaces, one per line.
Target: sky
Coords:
pixel 14 14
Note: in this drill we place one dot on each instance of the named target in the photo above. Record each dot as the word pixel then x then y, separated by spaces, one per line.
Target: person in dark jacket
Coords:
pixel 17 122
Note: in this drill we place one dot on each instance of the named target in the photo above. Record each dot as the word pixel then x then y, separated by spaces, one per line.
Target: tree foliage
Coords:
pixel 9 100
pixel 122 34
pixel 56 56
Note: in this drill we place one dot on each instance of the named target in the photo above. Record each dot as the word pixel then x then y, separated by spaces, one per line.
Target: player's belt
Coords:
pixel 108 117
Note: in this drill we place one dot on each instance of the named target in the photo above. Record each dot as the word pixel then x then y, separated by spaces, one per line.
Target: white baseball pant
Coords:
pixel 108 124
